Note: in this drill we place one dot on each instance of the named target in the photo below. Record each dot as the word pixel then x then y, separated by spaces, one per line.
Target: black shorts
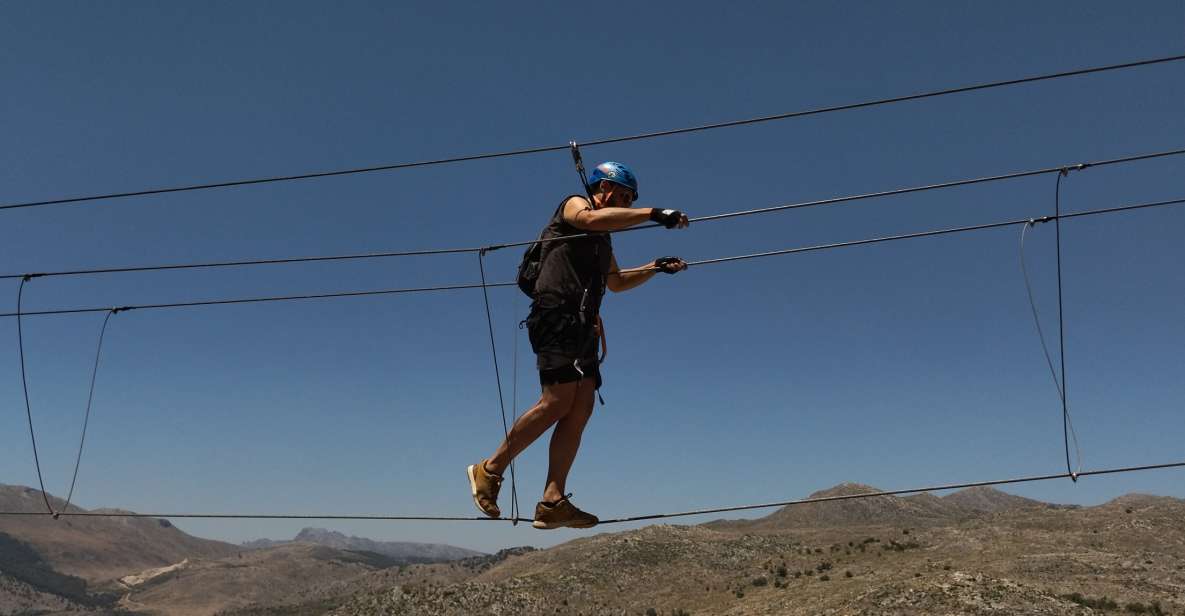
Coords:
pixel 562 342
pixel 569 373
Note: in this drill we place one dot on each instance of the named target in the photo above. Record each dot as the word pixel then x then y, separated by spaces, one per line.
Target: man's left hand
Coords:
pixel 670 265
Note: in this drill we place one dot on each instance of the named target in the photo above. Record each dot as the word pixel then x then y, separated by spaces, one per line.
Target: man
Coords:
pixel 564 331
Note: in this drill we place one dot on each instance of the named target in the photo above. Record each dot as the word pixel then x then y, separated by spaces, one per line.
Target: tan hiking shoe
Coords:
pixel 562 514
pixel 484 485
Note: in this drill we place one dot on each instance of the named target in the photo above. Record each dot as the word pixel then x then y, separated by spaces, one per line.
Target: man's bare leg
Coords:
pixel 565 441
pixel 556 403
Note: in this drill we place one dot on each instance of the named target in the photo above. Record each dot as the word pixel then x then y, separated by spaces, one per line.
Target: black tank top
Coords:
pixel 573 272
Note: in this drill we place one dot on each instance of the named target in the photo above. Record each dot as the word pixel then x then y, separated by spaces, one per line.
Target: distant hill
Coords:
pixel 402 552
pixel 99 549
pixel 990 500
pixel 923 509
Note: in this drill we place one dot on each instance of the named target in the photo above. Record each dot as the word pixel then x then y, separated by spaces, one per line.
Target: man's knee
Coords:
pixel 557 398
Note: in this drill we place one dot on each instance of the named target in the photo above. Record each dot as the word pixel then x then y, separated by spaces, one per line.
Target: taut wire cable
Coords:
pixel 481 256
pixel 656 516
pixel 272 298
pixel 758 255
pixel 701 219
pixel 952 486
pixel 648 135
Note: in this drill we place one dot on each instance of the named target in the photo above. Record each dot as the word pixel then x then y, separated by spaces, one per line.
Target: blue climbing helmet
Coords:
pixel 616 173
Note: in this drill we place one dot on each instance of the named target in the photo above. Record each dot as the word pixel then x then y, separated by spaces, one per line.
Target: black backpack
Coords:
pixel 532 263
pixel 528 268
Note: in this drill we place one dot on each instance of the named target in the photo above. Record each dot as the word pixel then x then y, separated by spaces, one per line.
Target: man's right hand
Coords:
pixel 671 219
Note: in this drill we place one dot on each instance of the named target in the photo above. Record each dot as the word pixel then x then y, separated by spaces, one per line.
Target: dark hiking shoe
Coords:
pixel 562 514
pixel 484 486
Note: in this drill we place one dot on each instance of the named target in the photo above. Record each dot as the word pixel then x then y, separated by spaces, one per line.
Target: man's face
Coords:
pixel 619 196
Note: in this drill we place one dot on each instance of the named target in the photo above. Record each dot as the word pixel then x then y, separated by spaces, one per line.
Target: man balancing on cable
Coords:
pixel 564 331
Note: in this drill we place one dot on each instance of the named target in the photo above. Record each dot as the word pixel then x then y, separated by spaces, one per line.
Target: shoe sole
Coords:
pixel 555 525
pixel 473 490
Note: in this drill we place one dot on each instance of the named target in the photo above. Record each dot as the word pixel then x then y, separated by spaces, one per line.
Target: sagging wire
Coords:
pixel 1068 432
pixel 89 400
pixel 481 255
pixel 29 408
pixel 20 339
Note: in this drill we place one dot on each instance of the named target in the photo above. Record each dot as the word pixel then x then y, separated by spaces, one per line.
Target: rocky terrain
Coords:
pixel 98 548
pixel 986 552
pixel 979 551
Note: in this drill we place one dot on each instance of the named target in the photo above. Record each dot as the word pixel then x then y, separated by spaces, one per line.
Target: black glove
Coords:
pixel 666 218
pixel 668 265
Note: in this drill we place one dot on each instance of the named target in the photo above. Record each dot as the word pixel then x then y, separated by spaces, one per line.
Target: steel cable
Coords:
pixel 701 219
pixel 648 135
pixel 481 256
pixel 20 339
pixel 804 501
pixel 89 400
pixel 771 253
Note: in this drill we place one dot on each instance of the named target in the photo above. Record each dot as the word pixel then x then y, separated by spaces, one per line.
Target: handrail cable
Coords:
pixel 710 218
pixel 771 253
pixel 648 135
pixel 803 501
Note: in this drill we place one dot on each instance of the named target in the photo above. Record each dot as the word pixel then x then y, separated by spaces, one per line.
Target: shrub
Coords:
pixel 651 612
pixel 824 578
pixel 1103 603
pixel 782 571
pixel 760 581
pixel 847 574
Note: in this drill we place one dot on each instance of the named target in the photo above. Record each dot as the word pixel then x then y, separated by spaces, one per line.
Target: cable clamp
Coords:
pixel 1066 170
pixel 1035 221
pixel 491 248
pixel 28 277
pixel 120 309
pixel 576 158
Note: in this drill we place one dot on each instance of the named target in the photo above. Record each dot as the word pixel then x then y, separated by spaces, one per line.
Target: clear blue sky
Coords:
pixel 896 365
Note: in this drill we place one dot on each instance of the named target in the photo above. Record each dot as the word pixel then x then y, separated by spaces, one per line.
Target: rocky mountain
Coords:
pixel 990 500
pixel 986 553
pixel 923 509
pixel 1127 556
pixel 402 552
pixel 98 549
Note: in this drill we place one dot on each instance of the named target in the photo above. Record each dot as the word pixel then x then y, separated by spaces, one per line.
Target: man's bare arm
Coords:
pixel 580 214
pixel 623 280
